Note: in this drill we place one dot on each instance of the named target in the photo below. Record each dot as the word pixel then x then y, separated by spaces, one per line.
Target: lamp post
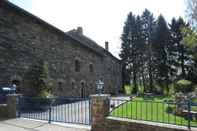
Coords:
pixel 14 88
pixel 99 86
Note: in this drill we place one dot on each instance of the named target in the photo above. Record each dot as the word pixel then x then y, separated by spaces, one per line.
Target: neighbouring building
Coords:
pixel 75 61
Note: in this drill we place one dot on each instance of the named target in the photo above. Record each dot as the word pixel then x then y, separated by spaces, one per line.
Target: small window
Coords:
pixel 91 68
pixel 77 65
pixel 73 84
pixel 60 86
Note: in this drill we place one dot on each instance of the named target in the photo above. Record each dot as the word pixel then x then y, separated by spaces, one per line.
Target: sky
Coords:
pixel 102 20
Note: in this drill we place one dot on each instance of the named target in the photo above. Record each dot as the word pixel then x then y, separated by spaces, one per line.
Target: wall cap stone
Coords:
pixel 3 105
pixel 100 95
pixel 16 95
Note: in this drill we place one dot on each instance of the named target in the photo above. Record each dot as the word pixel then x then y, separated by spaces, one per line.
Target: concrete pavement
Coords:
pixel 31 125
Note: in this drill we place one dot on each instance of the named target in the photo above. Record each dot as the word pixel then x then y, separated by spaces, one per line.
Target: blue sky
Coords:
pixel 102 20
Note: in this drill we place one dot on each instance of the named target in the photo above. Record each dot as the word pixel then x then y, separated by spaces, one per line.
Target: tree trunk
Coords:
pixel 182 62
pixel 135 79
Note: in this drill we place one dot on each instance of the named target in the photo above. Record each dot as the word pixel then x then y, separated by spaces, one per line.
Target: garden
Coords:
pixel 177 108
pixel 157 110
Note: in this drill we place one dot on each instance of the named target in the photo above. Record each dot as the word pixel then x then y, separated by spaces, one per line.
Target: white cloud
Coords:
pixel 102 20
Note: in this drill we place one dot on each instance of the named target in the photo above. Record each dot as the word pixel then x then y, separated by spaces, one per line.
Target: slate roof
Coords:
pixel 82 39
pixel 89 42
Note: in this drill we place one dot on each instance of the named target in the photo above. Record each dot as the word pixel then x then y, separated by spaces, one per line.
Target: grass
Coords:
pixel 153 110
pixel 129 88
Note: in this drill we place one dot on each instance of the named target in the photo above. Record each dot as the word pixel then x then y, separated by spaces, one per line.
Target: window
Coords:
pixel 73 84
pixel 82 89
pixel 91 68
pixel 60 86
pixel 77 66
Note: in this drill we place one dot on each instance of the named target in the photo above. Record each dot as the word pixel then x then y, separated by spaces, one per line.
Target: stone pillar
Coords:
pixel 100 105
pixel 12 101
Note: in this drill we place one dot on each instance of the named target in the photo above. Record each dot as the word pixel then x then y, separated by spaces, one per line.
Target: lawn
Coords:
pixel 154 110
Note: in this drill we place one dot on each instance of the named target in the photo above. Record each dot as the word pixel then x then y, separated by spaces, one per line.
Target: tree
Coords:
pixel 180 52
pixel 36 77
pixel 125 49
pixel 148 24
pixel 160 51
pixel 190 41
pixel 131 51
pixel 192 11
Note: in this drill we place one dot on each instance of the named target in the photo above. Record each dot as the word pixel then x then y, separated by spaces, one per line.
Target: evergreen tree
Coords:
pixel 180 49
pixel 131 52
pixel 160 51
pixel 148 24
pixel 141 56
pixel 126 49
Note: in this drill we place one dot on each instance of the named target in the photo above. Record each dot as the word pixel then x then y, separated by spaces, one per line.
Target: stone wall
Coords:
pixel 3 111
pixel 120 124
pixel 25 39
pixel 9 110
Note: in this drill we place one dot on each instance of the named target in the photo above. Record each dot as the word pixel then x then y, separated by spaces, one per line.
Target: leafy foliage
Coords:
pixel 192 11
pixel 155 54
pixel 37 78
pixel 183 85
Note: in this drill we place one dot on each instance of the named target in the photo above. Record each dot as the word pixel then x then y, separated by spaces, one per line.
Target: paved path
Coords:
pixel 116 101
pixel 30 125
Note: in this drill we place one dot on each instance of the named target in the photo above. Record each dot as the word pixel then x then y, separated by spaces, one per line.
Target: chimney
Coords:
pixel 107 45
pixel 80 30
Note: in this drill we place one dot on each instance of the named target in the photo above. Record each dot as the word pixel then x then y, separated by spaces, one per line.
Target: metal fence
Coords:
pixel 182 114
pixel 67 110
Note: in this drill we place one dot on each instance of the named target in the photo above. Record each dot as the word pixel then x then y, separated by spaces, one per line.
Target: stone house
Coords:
pixel 75 61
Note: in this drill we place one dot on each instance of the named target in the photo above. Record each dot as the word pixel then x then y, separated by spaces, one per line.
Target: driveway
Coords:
pixel 31 125
pixel 77 112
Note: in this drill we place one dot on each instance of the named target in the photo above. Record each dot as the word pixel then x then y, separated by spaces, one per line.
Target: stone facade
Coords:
pixel 24 38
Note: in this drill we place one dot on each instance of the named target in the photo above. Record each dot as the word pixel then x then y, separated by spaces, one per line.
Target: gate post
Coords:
pixel 12 103
pixel 49 115
pixel 189 114
pixel 100 105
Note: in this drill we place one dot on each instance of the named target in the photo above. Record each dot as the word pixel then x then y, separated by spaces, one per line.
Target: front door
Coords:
pixel 82 89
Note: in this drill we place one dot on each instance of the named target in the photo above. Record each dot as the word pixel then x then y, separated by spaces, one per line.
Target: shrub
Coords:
pixel 169 109
pixel 183 86
pixel 37 77
pixel 128 89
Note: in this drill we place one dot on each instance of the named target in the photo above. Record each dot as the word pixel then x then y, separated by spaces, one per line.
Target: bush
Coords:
pixel 37 78
pixel 141 89
pixel 169 109
pixel 128 89
pixel 183 86
pixel 169 101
